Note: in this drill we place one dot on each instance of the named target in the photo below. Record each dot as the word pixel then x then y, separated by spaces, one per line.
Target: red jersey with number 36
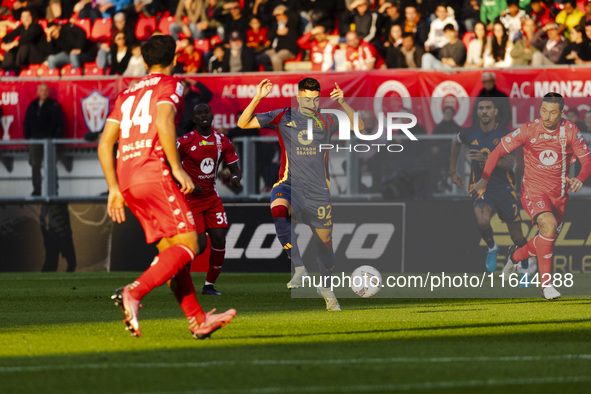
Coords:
pixel 201 158
pixel 140 158
pixel 548 155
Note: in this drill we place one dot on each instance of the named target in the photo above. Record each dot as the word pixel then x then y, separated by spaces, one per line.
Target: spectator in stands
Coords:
pixel 414 23
pixel 209 25
pixel 391 16
pixel 448 125
pixel 359 55
pixel 585 125
pixel 189 60
pixel 470 14
pixel 523 51
pixel 195 93
pixel 120 25
pixel 477 47
pixel 321 13
pixel 569 17
pixel 394 37
pixel 234 20
pixel 67 44
pixel 585 20
pixel 257 36
pixel 120 55
pixel 437 39
pixel 407 55
pixel 192 10
pixel 262 10
pixel 215 64
pixel 499 53
pixel 489 89
pixel 552 45
pixel 512 19
pixel 321 50
pixel 59 9
pixel 490 10
pixel 136 66
pixel 36 8
pixel 540 13
pixel 239 58
pixel 452 55
pixel 23 45
pixel 365 20
pixel 283 35
pixel 43 119
pixel 581 45
pixel 572 114
pixel 149 7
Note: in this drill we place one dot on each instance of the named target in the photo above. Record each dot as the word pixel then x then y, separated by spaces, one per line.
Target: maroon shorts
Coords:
pixel 208 213
pixel 536 203
pixel 160 208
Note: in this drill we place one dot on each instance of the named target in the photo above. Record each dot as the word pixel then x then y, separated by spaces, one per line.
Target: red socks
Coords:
pixel 541 247
pixel 167 264
pixel 184 291
pixel 216 260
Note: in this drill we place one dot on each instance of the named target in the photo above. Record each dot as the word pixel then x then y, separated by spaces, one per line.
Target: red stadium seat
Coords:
pixel 68 71
pixel 45 72
pixel 30 72
pixel 215 40
pixel 468 36
pixel 92 69
pixel 145 27
pixel 84 24
pixel 164 24
pixel 298 58
pixel 202 45
pixel 101 30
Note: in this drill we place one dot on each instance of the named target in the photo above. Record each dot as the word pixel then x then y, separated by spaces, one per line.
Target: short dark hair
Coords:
pixel 449 26
pixel 309 84
pixel 159 50
pixel 571 2
pixel 408 34
pixel 554 98
pixel 513 2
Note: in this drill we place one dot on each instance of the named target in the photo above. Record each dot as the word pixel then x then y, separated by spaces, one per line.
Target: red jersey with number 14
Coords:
pixel 201 158
pixel 140 158
pixel 548 155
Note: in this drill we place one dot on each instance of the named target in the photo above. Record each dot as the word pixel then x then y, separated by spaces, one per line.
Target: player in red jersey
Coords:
pixel 550 145
pixel 201 151
pixel 143 120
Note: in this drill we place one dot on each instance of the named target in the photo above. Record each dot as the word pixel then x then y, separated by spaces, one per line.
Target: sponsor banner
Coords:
pixel 86 102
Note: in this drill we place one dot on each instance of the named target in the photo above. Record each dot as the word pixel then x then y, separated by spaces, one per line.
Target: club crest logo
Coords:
pixel 541 204
pixel 207 165
pixel 562 140
pixel 95 108
pixel 548 157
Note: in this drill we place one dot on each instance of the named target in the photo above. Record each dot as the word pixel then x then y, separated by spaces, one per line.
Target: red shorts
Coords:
pixel 536 203
pixel 160 208
pixel 208 213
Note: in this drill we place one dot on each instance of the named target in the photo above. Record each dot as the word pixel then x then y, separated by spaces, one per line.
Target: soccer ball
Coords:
pixel 366 281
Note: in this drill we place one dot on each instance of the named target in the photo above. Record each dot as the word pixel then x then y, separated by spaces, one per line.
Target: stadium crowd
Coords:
pixel 97 37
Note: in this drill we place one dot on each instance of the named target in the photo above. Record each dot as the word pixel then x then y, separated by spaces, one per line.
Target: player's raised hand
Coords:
pixel 478 189
pixel 575 184
pixel 337 94
pixel 116 206
pixel 456 179
pixel 264 88
pixel 185 181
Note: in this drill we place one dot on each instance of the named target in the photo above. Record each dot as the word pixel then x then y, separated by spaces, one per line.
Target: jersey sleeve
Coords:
pixel 462 136
pixel 270 120
pixel 579 146
pixel 181 145
pixel 514 140
pixel 229 153
pixel 171 91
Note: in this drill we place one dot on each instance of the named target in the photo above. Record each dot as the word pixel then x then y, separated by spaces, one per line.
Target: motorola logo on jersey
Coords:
pixel 207 165
pixel 548 157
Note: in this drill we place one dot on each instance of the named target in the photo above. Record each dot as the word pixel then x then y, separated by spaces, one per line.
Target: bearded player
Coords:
pixel 143 120
pixel 201 152
pixel 550 145
pixel 303 189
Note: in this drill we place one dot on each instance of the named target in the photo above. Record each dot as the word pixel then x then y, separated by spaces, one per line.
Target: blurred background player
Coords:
pixel 143 119
pixel 550 145
pixel 481 139
pixel 303 172
pixel 201 152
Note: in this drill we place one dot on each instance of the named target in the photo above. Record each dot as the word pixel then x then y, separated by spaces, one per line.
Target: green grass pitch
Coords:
pixel 61 333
